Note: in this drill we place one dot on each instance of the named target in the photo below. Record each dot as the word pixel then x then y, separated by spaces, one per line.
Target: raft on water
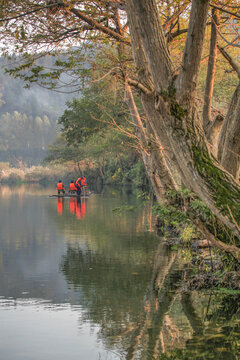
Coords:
pixel 70 195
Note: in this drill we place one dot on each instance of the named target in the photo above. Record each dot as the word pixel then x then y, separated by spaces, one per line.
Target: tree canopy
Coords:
pixel 159 49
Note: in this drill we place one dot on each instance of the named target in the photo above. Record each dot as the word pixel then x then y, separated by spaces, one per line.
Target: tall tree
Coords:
pixel 173 122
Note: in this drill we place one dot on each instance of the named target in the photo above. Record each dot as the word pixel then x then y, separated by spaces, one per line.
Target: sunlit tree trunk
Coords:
pixel 162 158
pixel 177 112
pixel 159 183
pixel 229 140
pixel 212 127
pixel 207 117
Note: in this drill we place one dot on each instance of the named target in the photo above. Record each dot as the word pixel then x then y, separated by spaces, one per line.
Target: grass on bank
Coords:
pixel 33 174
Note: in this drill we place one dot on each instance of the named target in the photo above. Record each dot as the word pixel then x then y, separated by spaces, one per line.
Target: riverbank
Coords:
pixel 51 172
pixel 34 174
pixel 206 267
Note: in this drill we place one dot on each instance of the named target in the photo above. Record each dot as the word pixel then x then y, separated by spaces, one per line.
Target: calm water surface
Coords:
pixel 80 280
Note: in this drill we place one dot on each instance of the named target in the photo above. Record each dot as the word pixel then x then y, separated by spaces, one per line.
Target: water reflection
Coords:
pixel 35 249
pixel 36 329
pixel 60 202
pixel 100 288
pixel 24 190
pixel 77 206
pixel 213 333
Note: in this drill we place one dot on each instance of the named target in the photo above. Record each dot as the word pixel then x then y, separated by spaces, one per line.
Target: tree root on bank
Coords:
pixel 229 249
pixel 231 281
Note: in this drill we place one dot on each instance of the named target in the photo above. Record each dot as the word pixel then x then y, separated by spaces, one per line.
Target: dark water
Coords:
pixel 81 281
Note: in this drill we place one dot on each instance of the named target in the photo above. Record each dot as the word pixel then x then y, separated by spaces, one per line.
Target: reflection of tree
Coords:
pixel 172 328
pixel 160 295
pixel 107 232
pixel 113 290
pixel 148 316
pixel 113 293
pixel 138 305
pixel 192 316
pixel 216 335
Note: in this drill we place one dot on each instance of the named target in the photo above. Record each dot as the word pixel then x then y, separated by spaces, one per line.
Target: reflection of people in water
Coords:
pixel 83 207
pixel 80 208
pixel 60 205
pixel 72 203
pixel 76 206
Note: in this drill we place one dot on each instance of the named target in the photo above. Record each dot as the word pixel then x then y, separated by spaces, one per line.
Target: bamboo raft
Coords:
pixel 87 195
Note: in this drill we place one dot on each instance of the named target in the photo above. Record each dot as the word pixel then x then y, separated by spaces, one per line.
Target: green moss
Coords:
pixel 176 110
pixel 224 193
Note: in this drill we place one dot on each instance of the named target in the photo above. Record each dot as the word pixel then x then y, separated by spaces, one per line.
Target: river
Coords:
pixel 90 280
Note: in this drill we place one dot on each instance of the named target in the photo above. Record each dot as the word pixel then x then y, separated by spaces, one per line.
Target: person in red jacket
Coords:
pixel 60 187
pixel 83 181
pixel 78 186
pixel 72 187
pixel 83 184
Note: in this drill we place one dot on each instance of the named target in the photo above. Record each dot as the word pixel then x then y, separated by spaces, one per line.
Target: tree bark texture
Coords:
pixel 161 152
pixel 210 72
pixel 153 159
pixel 178 113
pixel 154 42
pixel 229 140
pixel 213 132
pixel 188 76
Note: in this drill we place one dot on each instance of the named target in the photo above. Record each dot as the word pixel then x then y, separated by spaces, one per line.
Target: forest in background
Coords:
pixel 88 131
pixel 46 135
pixel 28 119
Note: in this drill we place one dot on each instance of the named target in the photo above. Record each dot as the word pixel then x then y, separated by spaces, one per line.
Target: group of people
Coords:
pixel 74 187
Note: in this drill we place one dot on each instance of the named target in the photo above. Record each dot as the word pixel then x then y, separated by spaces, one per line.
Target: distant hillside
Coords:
pixel 27 119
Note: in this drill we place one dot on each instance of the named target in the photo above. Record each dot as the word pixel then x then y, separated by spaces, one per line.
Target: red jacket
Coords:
pixel 72 187
pixel 60 186
pixel 84 181
pixel 78 182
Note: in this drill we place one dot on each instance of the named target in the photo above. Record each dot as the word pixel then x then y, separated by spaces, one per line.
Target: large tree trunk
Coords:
pixel 210 72
pixel 229 140
pixel 178 113
pixel 153 158
pixel 160 167
pixel 212 127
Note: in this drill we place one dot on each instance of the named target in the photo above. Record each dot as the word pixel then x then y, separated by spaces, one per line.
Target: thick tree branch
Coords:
pixel 175 34
pixel 90 21
pixel 159 182
pixel 229 144
pixel 175 15
pixel 139 86
pixel 231 61
pixel 224 10
pixel 98 26
pixel 213 132
pixel 208 94
pixel 187 79
pixel 154 42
